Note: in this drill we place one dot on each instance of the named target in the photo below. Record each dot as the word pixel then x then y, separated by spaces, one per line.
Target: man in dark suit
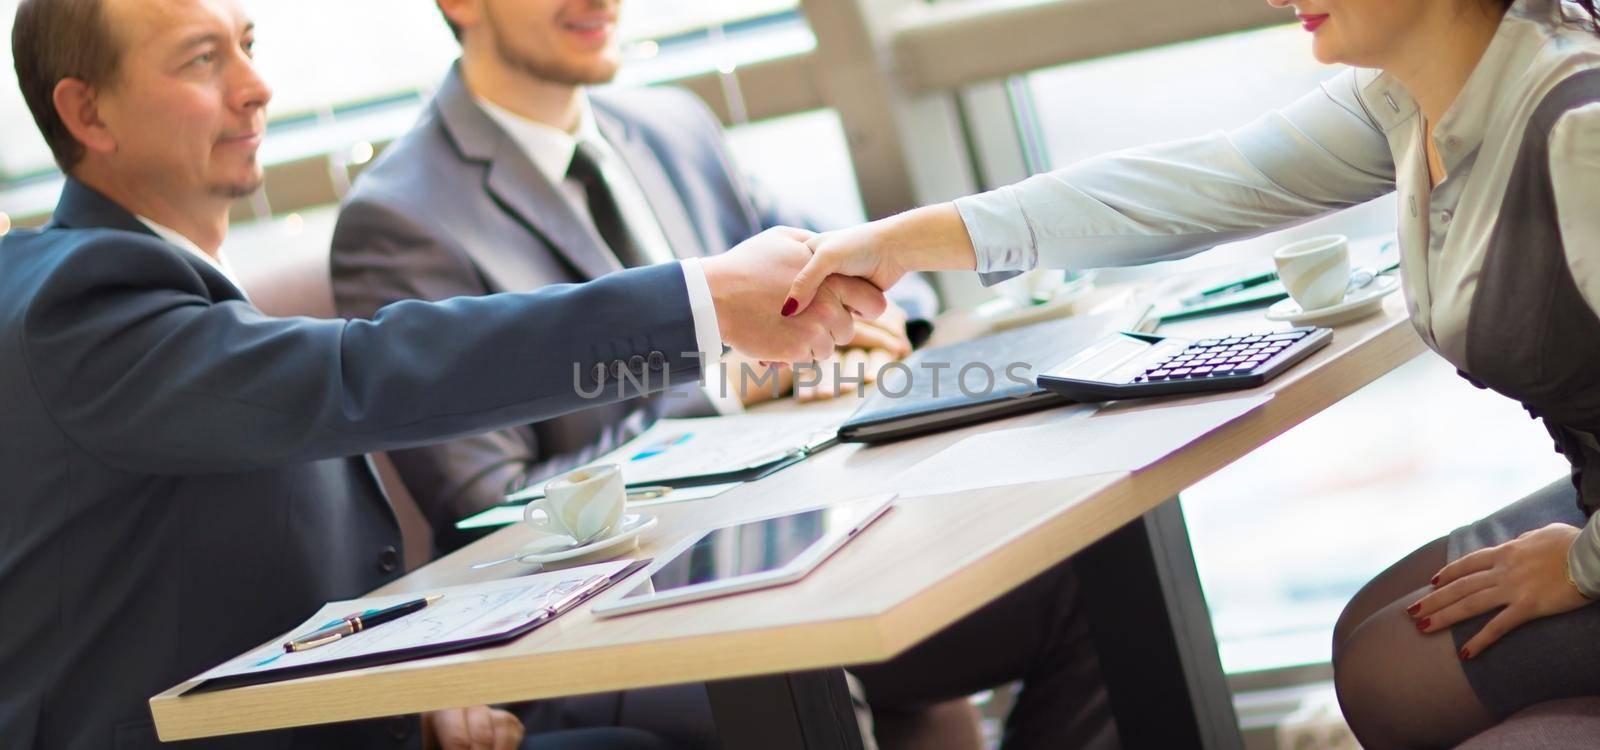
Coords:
pixel 518 176
pixel 183 475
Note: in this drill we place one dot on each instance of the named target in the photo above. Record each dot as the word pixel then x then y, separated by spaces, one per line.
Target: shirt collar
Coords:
pixel 174 237
pixel 1527 24
pixel 549 148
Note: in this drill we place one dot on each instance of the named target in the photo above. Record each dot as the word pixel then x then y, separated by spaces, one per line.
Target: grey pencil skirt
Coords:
pixel 1548 658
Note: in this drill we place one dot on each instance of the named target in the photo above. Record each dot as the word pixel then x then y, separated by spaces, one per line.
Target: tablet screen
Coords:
pixel 746 549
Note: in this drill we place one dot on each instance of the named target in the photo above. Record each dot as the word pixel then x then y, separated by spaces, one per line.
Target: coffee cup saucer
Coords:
pixel 554 548
pixel 1365 301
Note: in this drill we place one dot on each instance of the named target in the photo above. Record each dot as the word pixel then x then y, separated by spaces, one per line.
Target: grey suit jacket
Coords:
pixel 181 476
pixel 456 208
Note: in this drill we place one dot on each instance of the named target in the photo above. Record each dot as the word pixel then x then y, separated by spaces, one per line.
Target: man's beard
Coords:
pixel 554 69
pixel 240 188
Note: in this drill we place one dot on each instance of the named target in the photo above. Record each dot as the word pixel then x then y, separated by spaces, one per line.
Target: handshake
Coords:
pixel 788 295
pixel 750 286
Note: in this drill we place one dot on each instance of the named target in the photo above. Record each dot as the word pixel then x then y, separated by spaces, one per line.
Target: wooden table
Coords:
pixel 926 564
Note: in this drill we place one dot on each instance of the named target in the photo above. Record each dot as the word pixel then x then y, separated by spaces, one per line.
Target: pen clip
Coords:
pixel 574 596
pixel 310 643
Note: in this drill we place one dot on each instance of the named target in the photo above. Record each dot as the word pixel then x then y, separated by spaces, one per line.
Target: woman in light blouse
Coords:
pixel 1484 115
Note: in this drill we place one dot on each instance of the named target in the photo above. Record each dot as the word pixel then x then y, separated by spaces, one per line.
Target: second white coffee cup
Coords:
pixel 1315 271
pixel 580 503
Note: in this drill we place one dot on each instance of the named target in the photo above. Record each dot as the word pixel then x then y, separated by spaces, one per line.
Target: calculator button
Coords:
pixel 1252 339
pixel 1203 369
pixel 1182 372
pixel 1232 340
pixel 1159 374
pixel 1205 343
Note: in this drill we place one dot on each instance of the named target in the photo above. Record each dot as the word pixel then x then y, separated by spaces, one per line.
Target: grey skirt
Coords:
pixel 1548 658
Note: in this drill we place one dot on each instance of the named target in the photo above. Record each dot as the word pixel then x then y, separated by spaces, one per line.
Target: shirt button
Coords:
pixel 637 363
pixel 598 372
pixel 389 560
pixel 1452 143
pixel 618 368
pixel 1445 217
pixel 658 361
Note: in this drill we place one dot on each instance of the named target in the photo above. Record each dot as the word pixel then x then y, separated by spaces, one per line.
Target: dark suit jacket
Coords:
pixel 181 476
pixel 494 223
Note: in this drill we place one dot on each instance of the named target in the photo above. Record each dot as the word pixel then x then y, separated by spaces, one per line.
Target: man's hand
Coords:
pixel 1526 576
pixel 845 373
pixel 749 284
pixel 876 344
pixel 475 728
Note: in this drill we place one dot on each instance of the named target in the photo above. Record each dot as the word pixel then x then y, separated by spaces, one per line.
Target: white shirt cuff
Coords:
pixel 1001 235
pixel 707 334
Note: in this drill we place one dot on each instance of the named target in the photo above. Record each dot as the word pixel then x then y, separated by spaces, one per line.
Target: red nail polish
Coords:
pixel 1413 609
pixel 1434 581
pixel 1423 623
pixel 789 306
pixel 1464 654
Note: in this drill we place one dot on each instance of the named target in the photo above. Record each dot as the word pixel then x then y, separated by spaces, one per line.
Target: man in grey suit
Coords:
pixel 517 176
pixel 480 197
pixel 183 475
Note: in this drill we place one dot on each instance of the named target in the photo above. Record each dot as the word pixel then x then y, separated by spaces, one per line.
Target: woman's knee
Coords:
pixel 1400 688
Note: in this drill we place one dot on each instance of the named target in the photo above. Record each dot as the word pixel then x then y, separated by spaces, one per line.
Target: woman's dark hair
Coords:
pixel 1589 7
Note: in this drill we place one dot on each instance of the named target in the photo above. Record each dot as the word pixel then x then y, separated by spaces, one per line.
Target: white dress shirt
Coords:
pixel 551 149
pixel 1359 136
pixel 220 262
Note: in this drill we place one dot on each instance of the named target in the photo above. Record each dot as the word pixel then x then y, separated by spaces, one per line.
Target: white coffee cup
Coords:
pixel 1316 271
pixel 1031 288
pixel 580 503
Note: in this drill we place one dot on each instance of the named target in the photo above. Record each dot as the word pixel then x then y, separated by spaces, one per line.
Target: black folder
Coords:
pixel 928 394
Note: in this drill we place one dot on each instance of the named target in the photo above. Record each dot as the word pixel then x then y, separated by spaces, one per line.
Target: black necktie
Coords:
pixel 585 168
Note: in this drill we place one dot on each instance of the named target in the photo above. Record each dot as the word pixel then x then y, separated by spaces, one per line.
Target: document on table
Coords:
pixel 511 512
pixel 464 617
pixel 717 450
pixel 1105 441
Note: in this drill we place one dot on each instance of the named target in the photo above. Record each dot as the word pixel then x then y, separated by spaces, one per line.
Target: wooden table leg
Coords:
pixel 1151 626
pixel 801 711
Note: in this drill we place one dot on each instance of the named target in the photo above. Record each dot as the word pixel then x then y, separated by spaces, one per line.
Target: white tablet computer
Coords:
pixel 744 556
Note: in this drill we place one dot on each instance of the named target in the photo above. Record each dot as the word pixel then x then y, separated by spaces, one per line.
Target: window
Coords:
pixel 360 52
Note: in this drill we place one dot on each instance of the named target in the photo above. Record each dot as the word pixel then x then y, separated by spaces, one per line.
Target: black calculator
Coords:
pixel 1132 365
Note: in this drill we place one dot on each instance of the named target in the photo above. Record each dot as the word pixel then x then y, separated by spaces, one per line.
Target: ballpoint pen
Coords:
pixel 1237 285
pixel 352 624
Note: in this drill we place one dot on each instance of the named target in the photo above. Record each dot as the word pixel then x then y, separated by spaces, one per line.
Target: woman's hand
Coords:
pixel 926 239
pixel 1527 576
pixel 475 728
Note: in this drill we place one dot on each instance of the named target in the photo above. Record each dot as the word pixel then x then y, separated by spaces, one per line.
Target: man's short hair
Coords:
pixel 56 39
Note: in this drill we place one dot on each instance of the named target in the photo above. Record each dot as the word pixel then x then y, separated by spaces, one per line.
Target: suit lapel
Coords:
pixel 518 186
pixel 664 198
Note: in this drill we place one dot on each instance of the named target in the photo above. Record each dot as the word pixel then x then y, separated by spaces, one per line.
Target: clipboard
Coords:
pixel 466 617
pixel 705 451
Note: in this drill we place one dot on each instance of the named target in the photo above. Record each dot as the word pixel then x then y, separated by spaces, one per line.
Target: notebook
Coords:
pixel 978 380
